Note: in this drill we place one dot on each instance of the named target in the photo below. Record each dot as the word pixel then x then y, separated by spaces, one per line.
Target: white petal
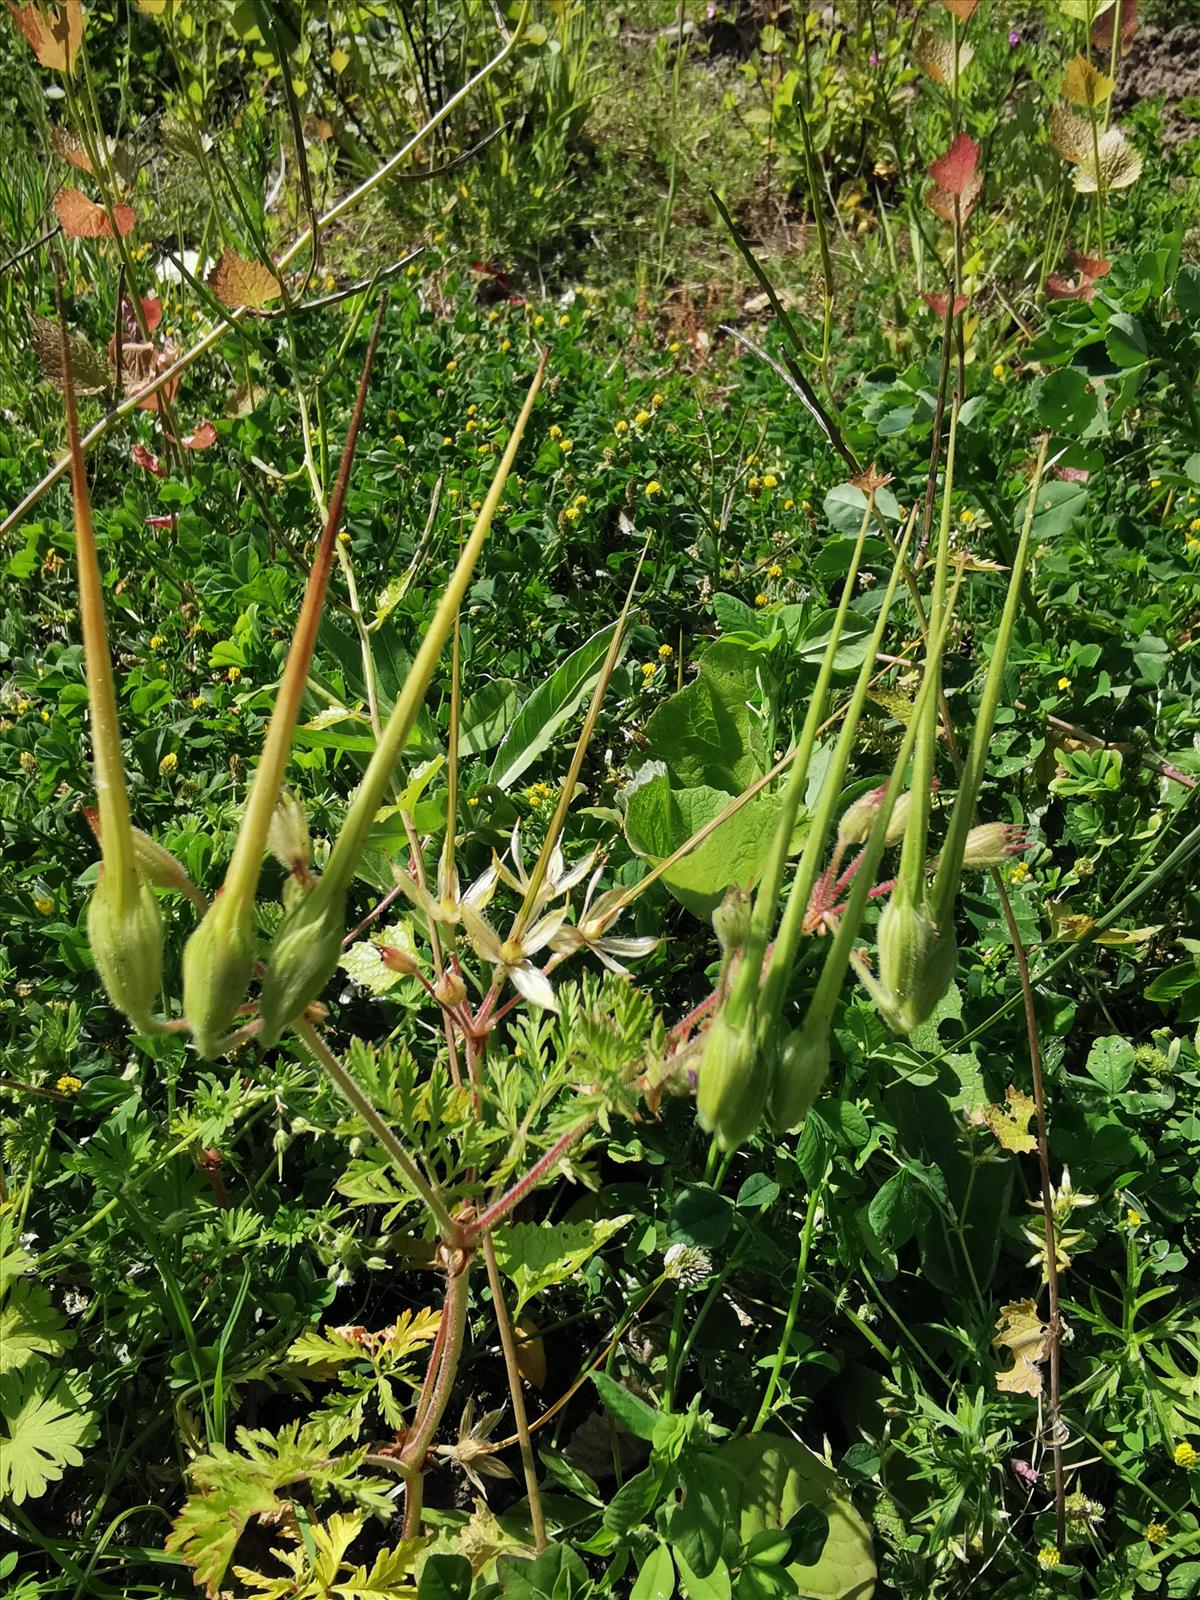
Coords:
pixel 482 889
pixel 422 899
pixel 534 985
pixel 542 932
pixel 631 948
pixel 579 871
pixel 482 935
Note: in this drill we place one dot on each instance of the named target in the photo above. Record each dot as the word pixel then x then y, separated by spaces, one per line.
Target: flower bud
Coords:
pixel 733 1085
pixel 917 961
pixel 800 1073
pixel 992 843
pixel 157 866
pixel 287 836
pixel 397 960
pixel 450 990
pixel 731 920
pixel 126 945
pixel 218 963
pixel 302 958
pixel 858 820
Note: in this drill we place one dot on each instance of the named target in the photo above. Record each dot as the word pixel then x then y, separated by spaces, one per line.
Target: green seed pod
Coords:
pixel 731 920
pixel 157 866
pixel 732 1092
pixel 218 963
pixel 126 944
pixel 917 961
pixel 302 959
pixel 800 1073
pixel 858 820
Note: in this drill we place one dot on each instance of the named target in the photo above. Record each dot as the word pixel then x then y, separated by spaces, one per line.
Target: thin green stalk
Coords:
pixel 789 1321
pixel 345 1085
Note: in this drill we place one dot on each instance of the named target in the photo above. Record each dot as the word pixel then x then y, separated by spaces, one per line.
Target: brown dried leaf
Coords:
pixel 531 1352
pixel 82 218
pixel 1010 1122
pixel 1084 85
pixel 1089 266
pixel 1060 288
pixel 935 56
pixel 69 146
pixel 1070 134
pixel 1102 28
pixel 1021 1330
pixel 938 302
pixel 54 35
pixel 1120 165
pixel 964 10
pixel 238 282
pixel 144 457
pixel 89 369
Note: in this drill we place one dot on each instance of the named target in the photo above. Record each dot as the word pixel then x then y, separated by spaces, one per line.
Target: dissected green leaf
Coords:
pixel 45 1425
pixel 30 1325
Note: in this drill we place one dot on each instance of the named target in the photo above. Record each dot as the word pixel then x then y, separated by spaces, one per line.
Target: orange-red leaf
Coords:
pixel 54 35
pixel 204 437
pixel 964 10
pixel 955 171
pixel 937 302
pixel 238 282
pixel 152 311
pixel 1090 266
pixel 146 458
pixel 1060 288
pixel 942 201
pixel 82 218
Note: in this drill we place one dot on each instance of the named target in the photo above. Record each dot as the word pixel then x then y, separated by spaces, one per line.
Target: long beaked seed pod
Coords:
pixel 218 960
pixel 124 926
pixel 732 1093
pixel 917 961
pixel 305 952
pixel 801 1069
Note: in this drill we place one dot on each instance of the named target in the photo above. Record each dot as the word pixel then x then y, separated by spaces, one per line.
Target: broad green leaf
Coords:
pixel 536 1256
pixel 656 1580
pixel 1125 341
pixel 659 819
pixel 624 1407
pixel 705 734
pixel 769 1478
pixel 1110 1062
pixel 485 716
pixel 551 704
pixel 1058 505
pixel 46 1425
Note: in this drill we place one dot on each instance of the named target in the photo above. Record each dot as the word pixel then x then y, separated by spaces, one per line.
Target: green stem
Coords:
pixel 789 1322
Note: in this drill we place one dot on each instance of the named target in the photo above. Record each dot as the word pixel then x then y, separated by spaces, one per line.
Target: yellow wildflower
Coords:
pixel 572 513
pixel 1185 1455
pixel 452 365
pixel 1133 1219
pixel 770 481
pixel 447 439
pixel 157 642
pixel 566 446
pixel 762 600
pixel 652 488
pixel 564 321
pixel 1064 683
pixel 1156 483
pixel 69 1084
pixel 555 431
pixel 754 483
pixel 43 905
pixel 506 344
pixel 234 674
pixel 775 570
pixel 674 347
pixel 1155 1533
pixel 1048 1557
pixel 197 702
pixel 999 372
pixel 665 652
pixel 648 669
pixel 538 320
pixel 656 402
pixel 620 427
pixel 343 537
pixel 168 764
pixel 642 418
pixel 1020 872
pixel 471 426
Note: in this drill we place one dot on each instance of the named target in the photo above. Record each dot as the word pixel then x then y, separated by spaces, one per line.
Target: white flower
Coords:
pixel 447 908
pixel 511 957
pixel 592 932
pixel 559 878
